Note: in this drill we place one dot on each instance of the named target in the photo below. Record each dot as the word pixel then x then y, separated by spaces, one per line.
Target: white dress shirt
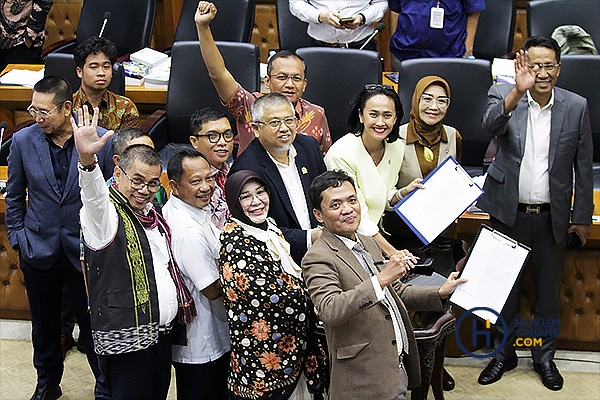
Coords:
pixel 308 11
pixel 196 249
pixel 100 222
pixel 534 180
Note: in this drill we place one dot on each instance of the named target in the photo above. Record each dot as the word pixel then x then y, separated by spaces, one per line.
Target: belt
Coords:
pixel 341 45
pixel 165 329
pixel 533 208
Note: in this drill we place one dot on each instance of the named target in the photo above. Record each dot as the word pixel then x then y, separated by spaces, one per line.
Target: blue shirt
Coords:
pixel 414 38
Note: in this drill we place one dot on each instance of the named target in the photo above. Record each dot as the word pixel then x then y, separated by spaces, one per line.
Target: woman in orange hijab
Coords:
pixel 428 141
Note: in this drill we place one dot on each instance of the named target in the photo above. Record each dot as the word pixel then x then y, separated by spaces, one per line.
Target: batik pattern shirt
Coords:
pixel 116 111
pixel 20 19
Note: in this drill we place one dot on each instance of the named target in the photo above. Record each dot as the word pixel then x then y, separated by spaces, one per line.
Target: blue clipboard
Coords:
pixel 457 166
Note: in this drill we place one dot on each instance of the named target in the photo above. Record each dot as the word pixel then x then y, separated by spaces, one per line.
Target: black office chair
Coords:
pixel 129 27
pixel 4 151
pixel 572 77
pixel 63 66
pixel 469 82
pixel 543 16
pixel 496 29
pixel 190 87
pixel 291 31
pixel 335 78
pixel 233 23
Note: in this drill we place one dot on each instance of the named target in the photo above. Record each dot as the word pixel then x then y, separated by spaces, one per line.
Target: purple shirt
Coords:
pixel 414 38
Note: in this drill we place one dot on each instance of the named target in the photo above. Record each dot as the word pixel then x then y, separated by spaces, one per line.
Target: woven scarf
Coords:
pixel 186 310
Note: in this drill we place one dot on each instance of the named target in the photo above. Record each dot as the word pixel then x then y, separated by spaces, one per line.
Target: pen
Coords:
pixel 385 261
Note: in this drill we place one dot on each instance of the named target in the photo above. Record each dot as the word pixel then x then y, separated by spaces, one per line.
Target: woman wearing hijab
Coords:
pixel 271 318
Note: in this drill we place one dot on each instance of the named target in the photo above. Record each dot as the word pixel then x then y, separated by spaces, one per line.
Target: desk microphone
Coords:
pixel 379 28
pixel 107 16
pixel 2 128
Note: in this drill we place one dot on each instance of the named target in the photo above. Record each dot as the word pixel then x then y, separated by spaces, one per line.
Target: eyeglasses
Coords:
pixel 276 123
pixel 247 198
pixel 442 101
pixel 43 113
pixel 138 184
pixel 547 67
pixel 284 78
pixel 378 86
pixel 214 137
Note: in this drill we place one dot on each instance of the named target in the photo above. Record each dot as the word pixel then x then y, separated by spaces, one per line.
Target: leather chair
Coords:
pixel 233 22
pixel 543 16
pixel 469 82
pixel 190 88
pixel 291 31
pixel 495 31
pixel 63 65
pixel 576 75
pixel 335 78
pixel 129 27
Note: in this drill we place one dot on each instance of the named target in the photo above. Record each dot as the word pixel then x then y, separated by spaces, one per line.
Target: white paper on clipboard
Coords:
pixel 491 268
pixel 449 191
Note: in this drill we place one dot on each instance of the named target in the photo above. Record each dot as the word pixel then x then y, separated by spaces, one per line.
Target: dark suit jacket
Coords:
pixel 309 162
pixel 360 332
pixel 570 149
pixel 50 221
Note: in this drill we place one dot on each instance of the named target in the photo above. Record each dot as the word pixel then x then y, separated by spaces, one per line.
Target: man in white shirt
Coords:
pixel 202 365
pixel 135 289
pixel 287 163
pixel 341 23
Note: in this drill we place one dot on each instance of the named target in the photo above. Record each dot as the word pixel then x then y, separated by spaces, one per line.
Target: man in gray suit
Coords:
pixel 361 301
pixel 544 134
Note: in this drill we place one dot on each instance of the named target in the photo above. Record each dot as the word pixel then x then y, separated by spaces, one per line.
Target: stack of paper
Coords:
pixel 22 77
pixel 149 57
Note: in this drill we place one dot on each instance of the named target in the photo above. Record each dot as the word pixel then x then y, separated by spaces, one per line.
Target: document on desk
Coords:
pixel 492 267
pixel 23 77
pixel 449 191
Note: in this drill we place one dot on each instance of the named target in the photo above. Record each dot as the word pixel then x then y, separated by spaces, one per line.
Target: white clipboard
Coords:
pixel 491 268
pixel 449 192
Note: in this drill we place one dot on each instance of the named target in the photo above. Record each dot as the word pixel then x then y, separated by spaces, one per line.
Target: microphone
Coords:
pixel 107 16
pixel 379 28
pixel 3 126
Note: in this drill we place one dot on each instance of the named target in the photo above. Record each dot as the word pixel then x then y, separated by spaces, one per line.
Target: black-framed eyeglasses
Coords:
pixel 43 113
pixel 138 184
pixel 547 67
pixel 276 123
pixel 284 78
pixel 247 198
pixel 214 136
pixel 442 102
pixel 378 86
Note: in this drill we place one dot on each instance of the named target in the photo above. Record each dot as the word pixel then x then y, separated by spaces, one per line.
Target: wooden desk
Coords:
pixel 15 99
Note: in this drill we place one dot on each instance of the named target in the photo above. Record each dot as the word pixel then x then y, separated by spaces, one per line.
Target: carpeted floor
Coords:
pixel 17 377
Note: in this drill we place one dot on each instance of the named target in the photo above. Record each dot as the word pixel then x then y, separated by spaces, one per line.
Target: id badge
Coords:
pixel 437 18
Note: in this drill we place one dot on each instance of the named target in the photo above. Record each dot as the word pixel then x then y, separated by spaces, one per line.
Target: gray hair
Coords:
pixel 268 100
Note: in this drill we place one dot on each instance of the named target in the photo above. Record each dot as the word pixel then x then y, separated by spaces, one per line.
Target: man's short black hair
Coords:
pixel 204 115
pixel 95 45
pixel 175 169
pixel 328 179
pixel 58 87
pixel 284 54
pixel 123 136
pixel 542 41
pixel 141 152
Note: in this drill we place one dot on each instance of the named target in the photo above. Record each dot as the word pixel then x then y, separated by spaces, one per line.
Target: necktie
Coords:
pixel 388 300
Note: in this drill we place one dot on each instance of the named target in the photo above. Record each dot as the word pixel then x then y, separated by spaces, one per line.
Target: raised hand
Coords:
pixel 205 13
pixel 87 140
pixel 524 76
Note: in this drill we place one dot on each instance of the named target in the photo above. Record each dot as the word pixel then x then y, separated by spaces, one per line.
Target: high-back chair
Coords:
pixel 496 29
pixel 190 87
pixel 63 66
pixel 129 26
pixel 335 78
pixel 291 31
pixel 233 23
pixel 576 75
pixel 469 82
pixel 543 16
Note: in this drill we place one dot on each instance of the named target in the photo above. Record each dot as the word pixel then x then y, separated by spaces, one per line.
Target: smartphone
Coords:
pixel 348 20
pixel 423 267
